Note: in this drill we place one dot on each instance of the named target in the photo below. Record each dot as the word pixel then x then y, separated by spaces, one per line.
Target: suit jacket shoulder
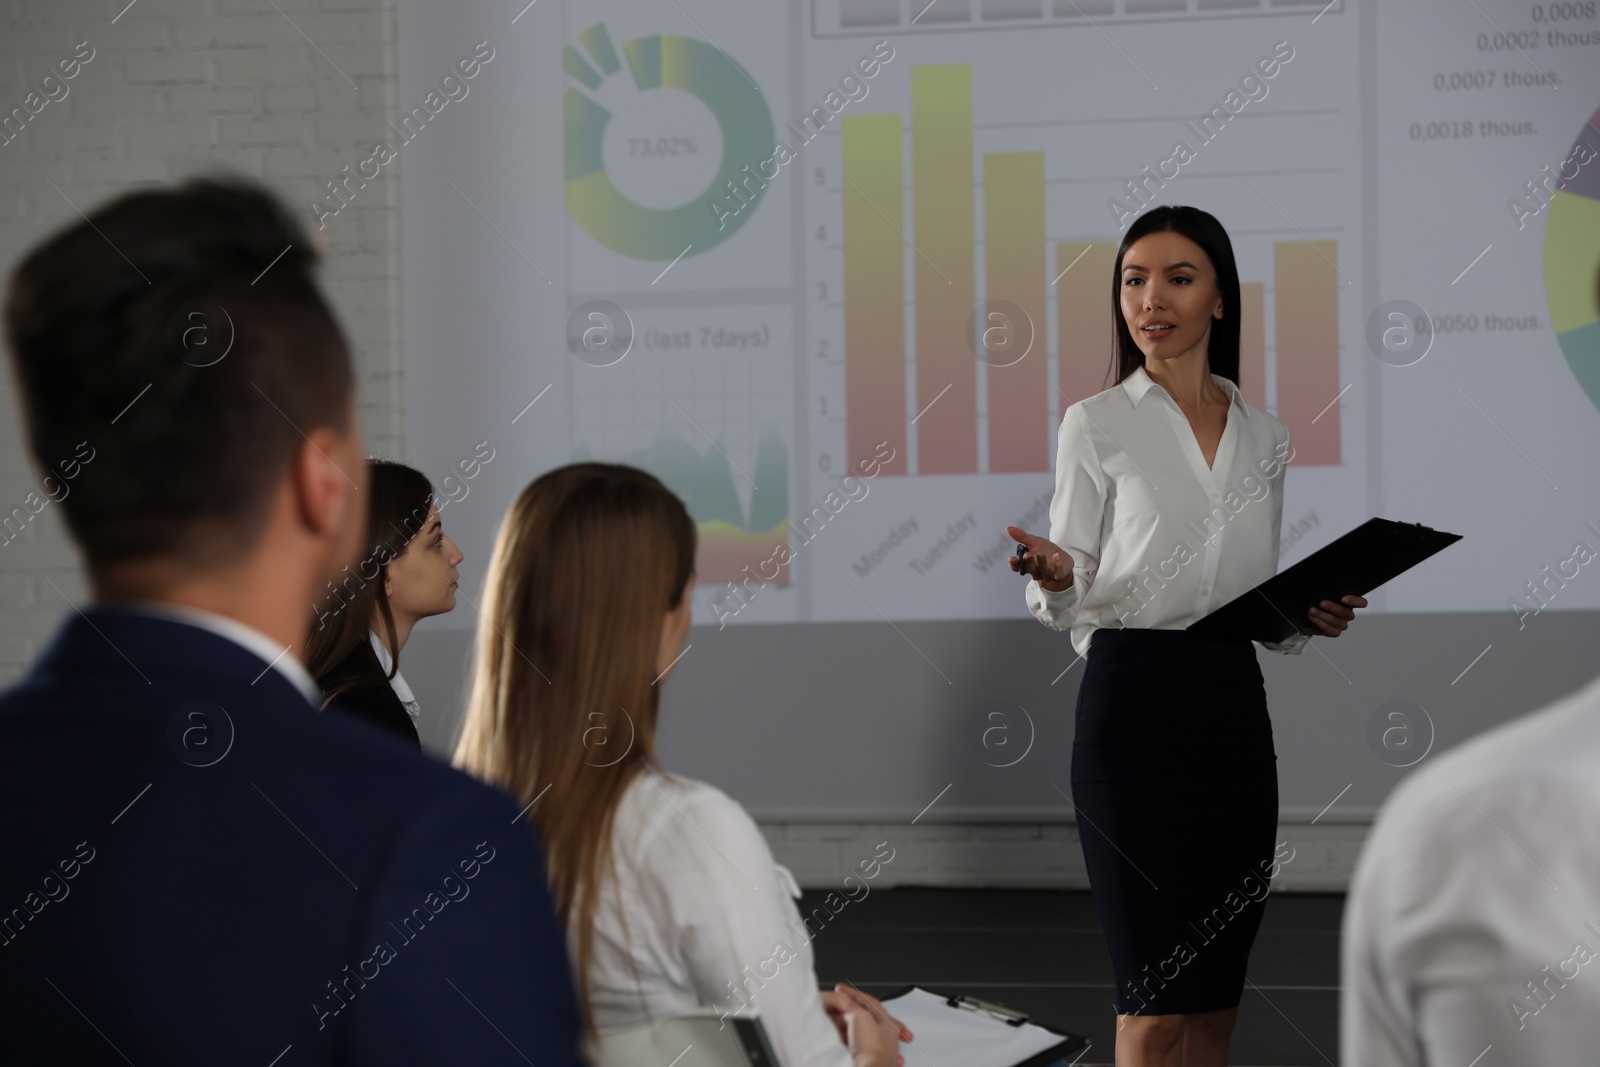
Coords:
pixel 173 807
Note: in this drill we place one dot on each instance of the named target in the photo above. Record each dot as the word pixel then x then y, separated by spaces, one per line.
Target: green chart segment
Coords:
pixel 1572 263
pixel 730 545
pixel 660 62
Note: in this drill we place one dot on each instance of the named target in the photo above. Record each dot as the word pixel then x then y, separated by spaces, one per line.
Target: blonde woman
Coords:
pixel 671 897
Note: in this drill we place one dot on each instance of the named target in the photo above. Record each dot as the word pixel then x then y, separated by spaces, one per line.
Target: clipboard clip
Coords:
pixel 999 1011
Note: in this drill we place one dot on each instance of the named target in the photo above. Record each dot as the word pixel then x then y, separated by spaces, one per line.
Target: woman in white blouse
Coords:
pixel 1168 504
pixel 671 897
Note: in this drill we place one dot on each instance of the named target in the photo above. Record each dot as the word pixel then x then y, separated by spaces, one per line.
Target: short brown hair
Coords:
pixel 115 326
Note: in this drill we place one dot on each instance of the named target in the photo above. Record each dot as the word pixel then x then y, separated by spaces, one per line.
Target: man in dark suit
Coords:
pixel 196 866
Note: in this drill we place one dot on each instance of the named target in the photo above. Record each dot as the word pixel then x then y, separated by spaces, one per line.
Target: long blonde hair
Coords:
pixel 587 563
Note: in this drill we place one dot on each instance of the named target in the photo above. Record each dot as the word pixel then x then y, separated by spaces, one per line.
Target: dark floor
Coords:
pixel 1041 951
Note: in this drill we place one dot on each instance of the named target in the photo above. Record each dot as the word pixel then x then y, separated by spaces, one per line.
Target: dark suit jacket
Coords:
pixel 372 699
pixel 198 868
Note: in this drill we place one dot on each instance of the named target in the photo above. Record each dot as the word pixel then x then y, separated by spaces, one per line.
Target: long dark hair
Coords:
pixel 1201 227
pixel 568 652
pixel 400 500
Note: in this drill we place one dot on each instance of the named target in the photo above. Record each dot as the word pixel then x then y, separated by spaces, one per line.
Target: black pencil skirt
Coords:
pixel 1175 783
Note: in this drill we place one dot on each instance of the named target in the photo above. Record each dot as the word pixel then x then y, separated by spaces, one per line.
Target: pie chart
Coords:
pixel 656 63
pixel 1572 259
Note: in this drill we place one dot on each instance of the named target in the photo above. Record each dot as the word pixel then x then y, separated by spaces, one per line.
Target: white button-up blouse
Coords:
pixel 697 913
pixel 1157 539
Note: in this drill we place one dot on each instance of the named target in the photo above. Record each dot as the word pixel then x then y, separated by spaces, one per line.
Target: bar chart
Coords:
pixel 955 276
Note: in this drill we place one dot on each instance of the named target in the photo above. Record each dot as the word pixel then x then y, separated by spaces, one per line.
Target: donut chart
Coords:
pixel 660 62
pixel 1572 261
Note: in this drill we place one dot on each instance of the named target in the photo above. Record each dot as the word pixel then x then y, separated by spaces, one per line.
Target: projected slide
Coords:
pixel 833 269
pixel 1487 156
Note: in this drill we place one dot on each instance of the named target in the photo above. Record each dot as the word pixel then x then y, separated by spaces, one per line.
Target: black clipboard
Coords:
pixel 1069 1044
pixel 1353 565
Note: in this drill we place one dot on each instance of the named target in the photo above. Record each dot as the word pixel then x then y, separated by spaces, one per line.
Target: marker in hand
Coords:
pixel 1022 550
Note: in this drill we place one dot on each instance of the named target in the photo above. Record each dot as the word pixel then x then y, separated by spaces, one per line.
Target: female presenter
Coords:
pixel 1168 504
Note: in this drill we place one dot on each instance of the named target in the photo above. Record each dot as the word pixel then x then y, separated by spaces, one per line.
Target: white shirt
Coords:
pixel 248 637
pixel 398 682
pixel 1157 539
pixel 709 912
pixel 1482 875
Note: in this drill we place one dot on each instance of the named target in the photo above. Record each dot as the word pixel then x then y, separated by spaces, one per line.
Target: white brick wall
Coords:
pixel 178 87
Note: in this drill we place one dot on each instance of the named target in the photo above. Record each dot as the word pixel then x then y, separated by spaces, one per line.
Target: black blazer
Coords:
pixel 372 699
pixel 196 867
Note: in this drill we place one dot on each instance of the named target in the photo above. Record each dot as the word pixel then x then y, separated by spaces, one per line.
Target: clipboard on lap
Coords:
pixel 953 1029
pixel 1352 565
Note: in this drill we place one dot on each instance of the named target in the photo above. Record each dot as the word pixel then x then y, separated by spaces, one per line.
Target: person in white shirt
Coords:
pixel 672 899
pixel 1168 504
pixel 1472 929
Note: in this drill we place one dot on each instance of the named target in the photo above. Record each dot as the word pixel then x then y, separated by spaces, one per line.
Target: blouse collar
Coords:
pixel 1139 383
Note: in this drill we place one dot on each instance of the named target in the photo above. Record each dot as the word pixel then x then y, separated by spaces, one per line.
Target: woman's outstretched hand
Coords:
pixel 1044 560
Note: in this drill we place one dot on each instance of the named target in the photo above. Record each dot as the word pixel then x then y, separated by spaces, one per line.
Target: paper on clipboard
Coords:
pixel 975 1038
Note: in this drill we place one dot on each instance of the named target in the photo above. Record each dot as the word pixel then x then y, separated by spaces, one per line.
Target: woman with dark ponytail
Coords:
pixel 406 573
pixel 1168 504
